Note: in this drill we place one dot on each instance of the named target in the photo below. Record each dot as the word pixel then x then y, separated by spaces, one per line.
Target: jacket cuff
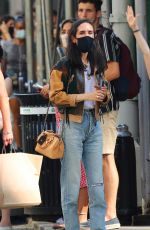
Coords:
pixel 73 100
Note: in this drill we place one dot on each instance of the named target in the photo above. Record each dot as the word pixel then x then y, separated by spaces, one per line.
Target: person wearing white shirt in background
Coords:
pixel 6 135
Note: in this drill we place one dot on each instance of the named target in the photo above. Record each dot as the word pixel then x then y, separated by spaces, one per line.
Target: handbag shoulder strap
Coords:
pixel 46 116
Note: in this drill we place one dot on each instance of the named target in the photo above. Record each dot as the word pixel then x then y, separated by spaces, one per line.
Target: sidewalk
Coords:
pixel 39 225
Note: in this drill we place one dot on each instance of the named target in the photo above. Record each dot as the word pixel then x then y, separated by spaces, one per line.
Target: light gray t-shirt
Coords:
pixel 15 57
pixel 89 87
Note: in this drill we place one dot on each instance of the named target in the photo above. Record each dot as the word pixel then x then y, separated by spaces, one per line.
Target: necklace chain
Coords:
pixel 86 70
pixel 88 76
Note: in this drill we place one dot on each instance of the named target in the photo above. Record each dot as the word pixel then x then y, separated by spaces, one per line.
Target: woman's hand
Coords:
pixel 5 32
pixel 131 19
pixel 7 137
pixel 97 95
pixel 100 93
pixel 45 91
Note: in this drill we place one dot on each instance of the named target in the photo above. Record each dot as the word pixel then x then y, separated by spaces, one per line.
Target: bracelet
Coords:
pixel 135 31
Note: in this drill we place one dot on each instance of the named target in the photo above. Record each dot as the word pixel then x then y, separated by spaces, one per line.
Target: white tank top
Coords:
pixel 89 87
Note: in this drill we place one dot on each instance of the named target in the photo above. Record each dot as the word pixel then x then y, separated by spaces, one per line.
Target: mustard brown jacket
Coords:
pixel 65 84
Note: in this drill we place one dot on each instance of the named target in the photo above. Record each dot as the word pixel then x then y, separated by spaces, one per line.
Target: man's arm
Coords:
pixel 111 48
pixel 112 71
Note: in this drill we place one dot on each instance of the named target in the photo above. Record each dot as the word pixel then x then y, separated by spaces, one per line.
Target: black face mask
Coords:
pixel 11 31
pixel 85 44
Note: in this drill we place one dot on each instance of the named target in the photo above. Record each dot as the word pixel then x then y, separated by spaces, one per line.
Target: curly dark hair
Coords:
pixel 97 3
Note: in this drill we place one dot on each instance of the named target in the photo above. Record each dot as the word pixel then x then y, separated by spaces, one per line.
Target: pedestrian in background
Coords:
pixel 15 68
pixel 7 24
pixel 6 137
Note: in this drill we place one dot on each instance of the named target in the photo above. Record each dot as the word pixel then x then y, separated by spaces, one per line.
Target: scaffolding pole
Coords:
pixel 49 27
pixel 128 110
pixel 106 9
pixel 144 111
pixel 121 28
pixel 39 43
pixel 68 9
pixel 29 39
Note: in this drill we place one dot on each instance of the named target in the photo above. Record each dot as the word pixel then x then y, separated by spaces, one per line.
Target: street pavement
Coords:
pixel 39 225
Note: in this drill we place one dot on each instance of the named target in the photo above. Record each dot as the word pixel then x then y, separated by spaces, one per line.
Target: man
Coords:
pixel 91 9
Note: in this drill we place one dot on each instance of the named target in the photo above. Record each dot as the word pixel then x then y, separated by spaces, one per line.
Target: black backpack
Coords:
pixel 127 86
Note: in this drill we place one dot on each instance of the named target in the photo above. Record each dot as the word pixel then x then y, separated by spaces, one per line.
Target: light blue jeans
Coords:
pixel 83 141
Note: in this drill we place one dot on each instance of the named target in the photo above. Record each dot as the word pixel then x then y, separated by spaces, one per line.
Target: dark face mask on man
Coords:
pixel 84 44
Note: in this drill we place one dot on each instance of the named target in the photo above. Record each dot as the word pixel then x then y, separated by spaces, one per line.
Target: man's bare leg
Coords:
pixel 5 220
pixel 111 181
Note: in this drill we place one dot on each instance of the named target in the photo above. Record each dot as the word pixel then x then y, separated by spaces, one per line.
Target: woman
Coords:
pixel 7 138
pixel 16 68
pixel 132 21
pixel 7 24
pixel 83 194
pixel 61 48
pixel 75 89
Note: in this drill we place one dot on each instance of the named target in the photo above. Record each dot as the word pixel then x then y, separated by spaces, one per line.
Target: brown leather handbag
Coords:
pixel 49 143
